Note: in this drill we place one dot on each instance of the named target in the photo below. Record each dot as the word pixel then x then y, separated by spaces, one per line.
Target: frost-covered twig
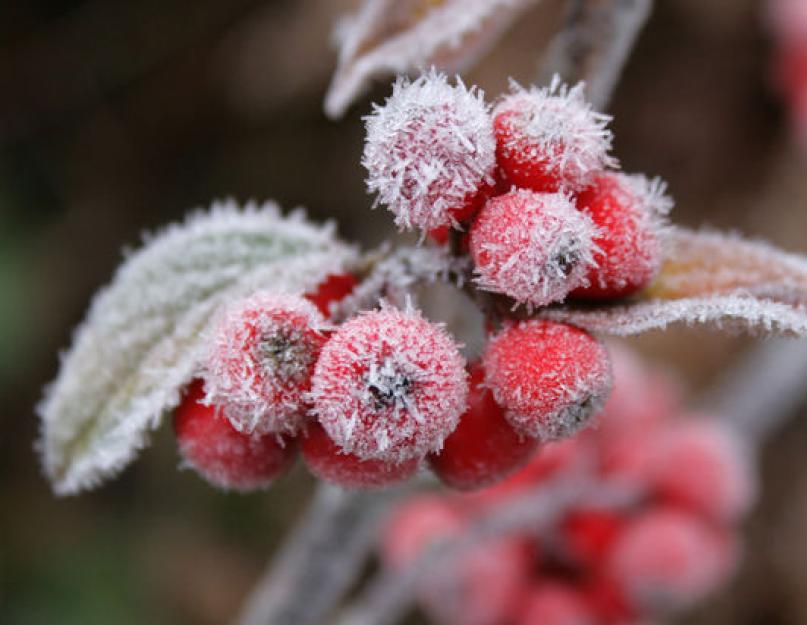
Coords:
pixel 388 597
pixel 319 561
pixel 760 392
pixel 595 43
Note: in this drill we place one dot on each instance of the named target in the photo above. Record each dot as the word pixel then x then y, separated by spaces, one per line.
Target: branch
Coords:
pixel 595 43
pixel 319 561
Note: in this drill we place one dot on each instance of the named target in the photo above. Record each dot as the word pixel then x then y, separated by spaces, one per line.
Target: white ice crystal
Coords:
pixel 141 340
pixel 429 150
pixel 556 126
pixel 388 37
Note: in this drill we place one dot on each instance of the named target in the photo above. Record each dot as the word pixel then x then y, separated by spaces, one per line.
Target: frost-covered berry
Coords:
pixel 389 385
pixel 532 247
pixel 550 377
pixel 704 466
pixel 430 152
pixel 328 462
pixel 335 287
pixel 668 560
pixel 225 457
pixel 556 603
pixel 629 213
pixel 416 526
pixel 550 139
pixel 484 448
pixel 260 361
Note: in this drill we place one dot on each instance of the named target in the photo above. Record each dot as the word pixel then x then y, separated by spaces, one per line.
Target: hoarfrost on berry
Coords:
pixel 430 151
pixel 549 138
pixel 549 377
pixel 261 357
pixel 389 385
pixel 532 247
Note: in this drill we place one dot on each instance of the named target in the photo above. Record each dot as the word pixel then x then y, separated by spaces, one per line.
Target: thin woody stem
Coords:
pixel 319 561
pixel 595 43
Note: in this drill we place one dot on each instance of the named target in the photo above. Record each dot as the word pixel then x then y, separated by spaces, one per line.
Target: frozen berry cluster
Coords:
pixel 647 558
pixel 529 185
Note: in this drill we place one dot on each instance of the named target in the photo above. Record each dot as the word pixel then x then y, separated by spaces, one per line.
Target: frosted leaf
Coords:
pixel 430 151
pixel 141 340
pixel 702 263
pixel 388 37
pixel 743 312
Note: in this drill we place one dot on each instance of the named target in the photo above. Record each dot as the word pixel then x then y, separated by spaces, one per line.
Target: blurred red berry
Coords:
pixel 484 448
pixel 550 377
pixel 586 535
pixel 555 603
pixel 222 455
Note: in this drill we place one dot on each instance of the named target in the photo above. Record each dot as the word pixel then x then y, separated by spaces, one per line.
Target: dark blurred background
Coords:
pixel 119 116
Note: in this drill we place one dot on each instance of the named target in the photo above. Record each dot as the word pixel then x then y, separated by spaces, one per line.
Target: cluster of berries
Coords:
pixel 368 401
pixel 789 24
pixel 656 554
pixel 544 212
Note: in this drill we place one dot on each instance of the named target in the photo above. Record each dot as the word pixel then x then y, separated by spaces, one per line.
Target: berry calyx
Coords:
pixel 222 455
pixel 484 448
pixel 430 152
pixel 532 247
pixel 327 461
pixel 260 361
pixel 334 288
pixel 550 377
pixel 389 385
pixel 629 214
pixel 550 139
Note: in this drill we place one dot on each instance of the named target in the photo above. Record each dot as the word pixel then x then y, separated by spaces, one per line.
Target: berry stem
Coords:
pixel 319 561
pixel 594 44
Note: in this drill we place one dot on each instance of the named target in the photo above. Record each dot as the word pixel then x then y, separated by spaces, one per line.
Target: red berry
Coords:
pixel 328 462
pixel 389 385
pixel 260 361
pixel 607 600
pixel 550 377
pixel 704 466
pixel 533 247
pixel 668 560
pixel 430 152
pixel 222 455
pixel 484 448
pixel 486 585
pixel 586 535
pixel 416 526
pixel 555 603
pixel 335 287
pixel 549 139
pixel 629 214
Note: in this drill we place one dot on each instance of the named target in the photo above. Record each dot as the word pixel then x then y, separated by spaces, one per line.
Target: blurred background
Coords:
pixel 119 116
